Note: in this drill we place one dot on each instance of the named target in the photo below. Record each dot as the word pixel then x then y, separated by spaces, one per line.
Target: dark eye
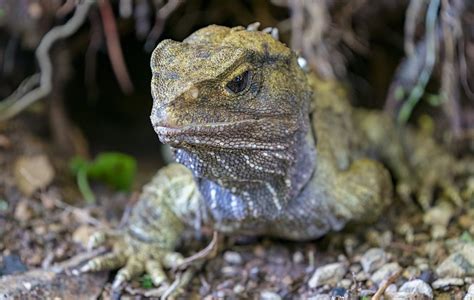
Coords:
pixel 239 83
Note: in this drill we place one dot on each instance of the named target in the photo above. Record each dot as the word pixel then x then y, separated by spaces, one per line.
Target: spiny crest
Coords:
pixel 263 42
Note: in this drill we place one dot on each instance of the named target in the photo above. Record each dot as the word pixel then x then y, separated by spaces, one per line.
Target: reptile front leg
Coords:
pixel 419 164
pixel 168 203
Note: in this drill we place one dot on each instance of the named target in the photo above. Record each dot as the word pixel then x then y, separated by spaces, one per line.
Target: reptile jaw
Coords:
pixel 211 135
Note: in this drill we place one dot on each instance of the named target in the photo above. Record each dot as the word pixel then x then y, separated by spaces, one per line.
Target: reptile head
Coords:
pixel 231 102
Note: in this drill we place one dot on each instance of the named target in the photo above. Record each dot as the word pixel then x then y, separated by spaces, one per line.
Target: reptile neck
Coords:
pixel 257 197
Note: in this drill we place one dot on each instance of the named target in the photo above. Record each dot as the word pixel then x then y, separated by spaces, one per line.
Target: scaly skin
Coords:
pixel 268 149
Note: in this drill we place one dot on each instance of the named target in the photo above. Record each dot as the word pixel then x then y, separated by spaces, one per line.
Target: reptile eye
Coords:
pixel 239 83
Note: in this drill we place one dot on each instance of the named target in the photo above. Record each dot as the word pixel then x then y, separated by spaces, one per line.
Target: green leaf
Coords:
pixel 112 168
pixel 146 282
pixel 115 169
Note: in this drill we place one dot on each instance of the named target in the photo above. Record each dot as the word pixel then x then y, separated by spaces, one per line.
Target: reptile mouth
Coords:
pixel 241 134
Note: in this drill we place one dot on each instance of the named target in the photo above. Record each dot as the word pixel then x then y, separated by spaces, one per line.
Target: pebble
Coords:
pixel 328 274
pixel 23 211
pixel 417 288
pixel 82 235
pixel 447 282
pixel 239 288
pixel 470 293
pixel 338 292
pixel 440 214
pixel 268 295
pixel 458 264
pixel 298 257
pixel 233 257
pixel 373 259
pixel 385 272
pixel 346 283
pixel 33 173
pixel 391 291
pixel 320 297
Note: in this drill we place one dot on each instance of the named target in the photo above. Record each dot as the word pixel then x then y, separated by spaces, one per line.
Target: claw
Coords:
pixel 172 259
pixel 97 239
pixel 154 269
pixel 133 268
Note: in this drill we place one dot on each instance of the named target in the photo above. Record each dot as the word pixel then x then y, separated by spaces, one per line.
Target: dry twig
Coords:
pixel 23 98
pixel 113 46
pixel 160 17
pixel 378 295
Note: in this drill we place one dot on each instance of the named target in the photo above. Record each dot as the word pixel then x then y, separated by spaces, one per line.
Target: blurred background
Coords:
pixel 98 95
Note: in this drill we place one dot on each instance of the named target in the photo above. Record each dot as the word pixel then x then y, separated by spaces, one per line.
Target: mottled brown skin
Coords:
pixel 262 148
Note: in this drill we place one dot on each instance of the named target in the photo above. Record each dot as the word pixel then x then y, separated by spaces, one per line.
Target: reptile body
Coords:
pixel 262 148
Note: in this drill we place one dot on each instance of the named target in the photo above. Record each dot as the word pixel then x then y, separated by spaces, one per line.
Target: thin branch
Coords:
pixel 113 46
pixel 431 42
pixel 160 17
pixel 378 295
pixel 413 12
pixel 16 105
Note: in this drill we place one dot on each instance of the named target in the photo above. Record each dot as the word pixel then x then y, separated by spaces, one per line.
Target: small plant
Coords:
pixel 112 168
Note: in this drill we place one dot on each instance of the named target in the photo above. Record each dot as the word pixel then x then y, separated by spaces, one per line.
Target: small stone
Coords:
pixel 390 291
pixel 470 293
pixel 268 295
pixel 385 272
pixel 229 271
pixel 367 293
pixel 298 257
pixel 27 285
pixel 438 231
pixel 23 211
pixel 338 292
pixel 458 264
pixel 447 282
pixel 82 235
pixel 416 288
pixel 355 268
pixel 346 283
pixel 328 274
pixel 373 259
pixel 361 276
pixel 33 173
pixel 239 288
pixel 233 257
pixel 320 297
pixel 440 214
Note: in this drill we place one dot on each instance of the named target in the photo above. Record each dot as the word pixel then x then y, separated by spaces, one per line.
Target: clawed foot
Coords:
pixel 132 258
pixel 437 178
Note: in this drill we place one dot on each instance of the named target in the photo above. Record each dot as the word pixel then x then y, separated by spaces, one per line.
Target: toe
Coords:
pixel 133 268
pixel 155 270
pixel 452 192
pixel 97 239
pixel 105 262
pixel 172 259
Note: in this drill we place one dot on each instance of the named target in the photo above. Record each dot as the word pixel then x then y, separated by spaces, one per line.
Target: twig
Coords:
pixel 431 42
pixel 384 286
pixel 113 47
pixel 413 12
pixel 160 17
pixel 201 254
pixel 16 105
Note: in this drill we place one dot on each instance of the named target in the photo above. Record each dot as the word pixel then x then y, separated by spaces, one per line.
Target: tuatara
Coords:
pixel 262 148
